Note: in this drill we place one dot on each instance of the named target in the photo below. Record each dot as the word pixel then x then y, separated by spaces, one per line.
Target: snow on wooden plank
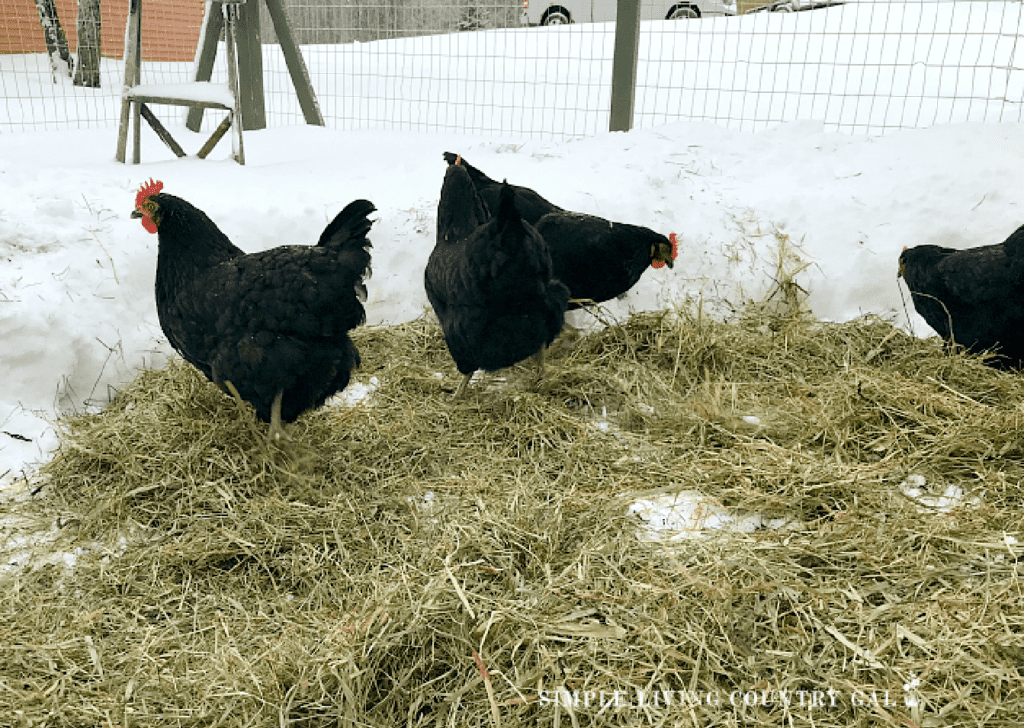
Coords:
pixel 195 92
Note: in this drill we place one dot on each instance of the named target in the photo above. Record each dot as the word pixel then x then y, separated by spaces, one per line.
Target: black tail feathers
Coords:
pixel 351 223
pixel 509 219
pixel 460 210
pixel 479 178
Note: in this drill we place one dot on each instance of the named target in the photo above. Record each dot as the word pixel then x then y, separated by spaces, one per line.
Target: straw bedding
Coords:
pixel 413 561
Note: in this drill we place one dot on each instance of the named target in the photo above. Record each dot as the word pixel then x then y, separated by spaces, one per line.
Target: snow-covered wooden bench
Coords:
pixel 195 94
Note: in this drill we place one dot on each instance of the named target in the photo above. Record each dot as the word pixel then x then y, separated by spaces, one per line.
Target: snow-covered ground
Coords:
pixel 860 66
pixel 77 316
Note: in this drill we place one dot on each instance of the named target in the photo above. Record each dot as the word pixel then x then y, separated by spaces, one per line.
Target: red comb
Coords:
pixel 147 189
pixel 675 251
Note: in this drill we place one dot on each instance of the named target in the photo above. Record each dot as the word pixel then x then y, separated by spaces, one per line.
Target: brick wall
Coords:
pixel 170 28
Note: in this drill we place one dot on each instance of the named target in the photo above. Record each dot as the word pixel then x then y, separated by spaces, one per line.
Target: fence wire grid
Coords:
pixel 474 67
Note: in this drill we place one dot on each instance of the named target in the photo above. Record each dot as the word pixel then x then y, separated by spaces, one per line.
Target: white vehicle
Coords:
pixel 560 12
pixel 790 6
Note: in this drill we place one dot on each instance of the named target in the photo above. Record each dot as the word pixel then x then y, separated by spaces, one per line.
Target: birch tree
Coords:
pixel 87 69
pixel 56 41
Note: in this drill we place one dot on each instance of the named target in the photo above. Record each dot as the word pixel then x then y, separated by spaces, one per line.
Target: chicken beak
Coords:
pixel 136 214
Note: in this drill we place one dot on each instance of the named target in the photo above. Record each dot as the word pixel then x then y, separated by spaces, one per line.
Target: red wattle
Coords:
pixel 675 251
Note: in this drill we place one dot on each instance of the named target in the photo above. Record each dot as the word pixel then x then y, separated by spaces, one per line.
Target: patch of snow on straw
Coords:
pixel 691 514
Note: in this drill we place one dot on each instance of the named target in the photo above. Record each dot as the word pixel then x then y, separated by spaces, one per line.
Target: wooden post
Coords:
pixel 250 67
pixel 235 117
pixel 136 133
pixel 627 43
pixel 131 47
pixel 213 23
pixel 250 63
pixel 296 66
pixel 132 63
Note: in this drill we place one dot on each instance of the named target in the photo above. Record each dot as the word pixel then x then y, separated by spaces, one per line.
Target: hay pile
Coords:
pixel 419 562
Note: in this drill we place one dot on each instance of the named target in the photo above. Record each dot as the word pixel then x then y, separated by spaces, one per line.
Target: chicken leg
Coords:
pixel 538 358
pixel 234 393
pixel 460 391
pixel 276 435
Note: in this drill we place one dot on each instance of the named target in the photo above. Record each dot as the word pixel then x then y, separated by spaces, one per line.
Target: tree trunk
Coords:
pixel 87 70
pixel 56 41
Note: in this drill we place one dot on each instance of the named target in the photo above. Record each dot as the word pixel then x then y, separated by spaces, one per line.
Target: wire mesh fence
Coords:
pixel 476 67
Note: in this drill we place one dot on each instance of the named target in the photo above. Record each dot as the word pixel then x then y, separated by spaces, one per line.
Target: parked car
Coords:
pixel 560 12
pixel 791 6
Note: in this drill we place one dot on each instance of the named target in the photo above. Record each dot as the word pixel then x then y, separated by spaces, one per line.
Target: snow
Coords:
pixel 865 67
pixel 358 392
pixel 673 517
pixel 689 514
pixel 77 315
pixel 200 91
pixel 917 488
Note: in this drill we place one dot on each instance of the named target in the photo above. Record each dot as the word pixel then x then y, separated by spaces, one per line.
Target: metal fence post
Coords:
pixel 627 42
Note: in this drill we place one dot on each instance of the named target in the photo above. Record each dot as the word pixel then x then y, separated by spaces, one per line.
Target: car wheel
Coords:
pixel 683 12
pixel 556 18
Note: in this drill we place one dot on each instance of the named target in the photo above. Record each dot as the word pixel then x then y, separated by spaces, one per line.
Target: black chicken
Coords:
pixel 271 327
pixel 596 258
pixel 972 297
pixel 489 280
pixel 531 206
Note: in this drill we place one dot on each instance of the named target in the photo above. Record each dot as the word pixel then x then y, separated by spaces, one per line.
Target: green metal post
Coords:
pixel 627 43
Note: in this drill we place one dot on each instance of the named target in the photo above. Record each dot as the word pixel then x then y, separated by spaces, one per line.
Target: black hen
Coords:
pixel 972 297
pixel 596 258
pixel 273 326
pixel 599 260
pixel 489 280
pixel 531 206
